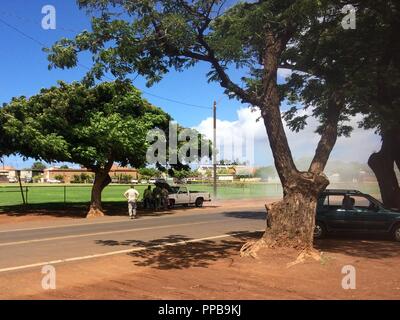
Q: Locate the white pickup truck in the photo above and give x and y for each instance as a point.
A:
(182, 196)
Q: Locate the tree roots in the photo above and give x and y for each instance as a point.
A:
(251, 248)
(95, 213)
(304, 255)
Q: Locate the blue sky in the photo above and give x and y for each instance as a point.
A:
(24, 69)
(25, 65)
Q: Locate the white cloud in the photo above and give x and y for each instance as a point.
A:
(303, 144)
(234, 136)
(284, 73)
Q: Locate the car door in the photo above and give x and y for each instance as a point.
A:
(183, 196)
(336, 217)
(368, 217)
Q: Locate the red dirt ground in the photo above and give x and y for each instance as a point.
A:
(209, 270)
(190, 272)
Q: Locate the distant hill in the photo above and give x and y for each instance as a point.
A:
(336, 169)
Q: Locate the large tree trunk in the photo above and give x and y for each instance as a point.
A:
(102, 180)
(291, 221)
(382, 164)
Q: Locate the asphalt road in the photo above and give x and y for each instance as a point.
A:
(59, 242)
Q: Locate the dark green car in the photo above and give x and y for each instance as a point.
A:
(353, 212)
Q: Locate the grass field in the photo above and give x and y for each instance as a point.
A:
(38, 193)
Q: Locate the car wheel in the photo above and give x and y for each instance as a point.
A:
(396, 233)
(319, 230)
(171, 204)
(199, 202)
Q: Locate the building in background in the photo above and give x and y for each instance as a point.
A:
(117, 174)
(9, 174)
(227, 172)
(123, 174)
(6, 173)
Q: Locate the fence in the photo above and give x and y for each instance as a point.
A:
(36, 194)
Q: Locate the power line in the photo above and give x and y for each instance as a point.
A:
(43, 45)
(24, 19)
(176, 101)
(22, 33)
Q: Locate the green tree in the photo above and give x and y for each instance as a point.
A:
(148, 173)
(125, 178)
(383, 164)
(223, 171)
(59, 177)
(376, 92)
(182, 174)
(76, 179)
(38, 166)
(152, 37)
(359, 70)
(94, 127)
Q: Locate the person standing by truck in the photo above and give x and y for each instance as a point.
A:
(165, 199)
(132, 196)
(157, 197)
(147, 198)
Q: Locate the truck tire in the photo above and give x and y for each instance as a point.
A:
(199, 202)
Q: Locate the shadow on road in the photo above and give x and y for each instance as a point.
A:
(61, 210)
(182, 256)
(246, 215)
(79, 210)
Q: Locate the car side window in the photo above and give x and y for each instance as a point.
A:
(363, 204)
(335, 202)
(183, 190)
(346, 203)
(331, 202)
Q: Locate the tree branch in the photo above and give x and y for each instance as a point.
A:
(328, 136)
(226, 82)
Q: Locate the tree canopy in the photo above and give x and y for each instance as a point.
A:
(147, 173)
(88, 126)
(361, 68)
(95, 127)
(37, 165)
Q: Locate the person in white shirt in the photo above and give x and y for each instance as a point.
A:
(132, 195)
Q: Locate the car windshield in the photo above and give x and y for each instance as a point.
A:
(377, 202)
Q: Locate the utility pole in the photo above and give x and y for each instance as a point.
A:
(215, 149)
